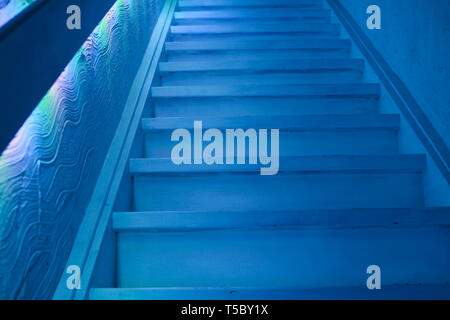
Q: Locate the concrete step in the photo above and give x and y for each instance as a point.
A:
(251, 37)
(352, 90)
(284, 257)
(188, 221)
(253, 14)
(304, 65)
(302, 183)
(253, 50)
(396, 292)
(329, 44)
(267, 100)
(257, 28)
(215, 4)
(299, 135)
(261, 72)
(313, 253)
(262, 106)
(225, 56)
(260, 77)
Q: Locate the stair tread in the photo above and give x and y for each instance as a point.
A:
(339, 89)
(247, 3)
(287, 123)
(414, 163)
(243, 65)
(404, 291)
(253, 13)
(225, 56)
(183, 221)
(256, 27)
(214, 45)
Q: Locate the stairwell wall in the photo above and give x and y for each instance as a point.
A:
(415, 41)
(49, 170)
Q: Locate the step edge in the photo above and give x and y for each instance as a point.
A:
(191, 221)
(391, 291)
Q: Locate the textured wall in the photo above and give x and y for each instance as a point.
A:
(10, 8)
(48, 172)
(415, 40)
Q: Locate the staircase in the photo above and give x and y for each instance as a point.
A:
(344, 197)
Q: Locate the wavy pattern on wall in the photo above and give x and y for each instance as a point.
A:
(11, 8)
(49, 170)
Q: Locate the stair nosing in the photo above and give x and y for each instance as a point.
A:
(186, 221)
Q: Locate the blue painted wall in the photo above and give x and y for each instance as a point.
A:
(48, 172)
(12, 8)
(415, 40)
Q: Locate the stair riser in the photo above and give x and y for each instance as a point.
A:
(258, 28)
(236, 77)
(250, 5)
(159, 145)
(300, 44)
(249, 13)
(264, 258)
(209, 21)
(256, 55)
(252, 37)
(264, 66)
(247, 8)
(318, 91)
(279, 192)
(248, 106)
